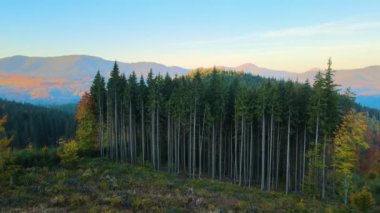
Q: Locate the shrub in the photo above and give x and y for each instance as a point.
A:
(238, 206)
(211, 207)
(138, 203)
(36, 157)
(363, 200)
(77, 199)
(58, 200)
(69, 154)
(372, 175)
(374, 187)
(301, 205)
(116, 200)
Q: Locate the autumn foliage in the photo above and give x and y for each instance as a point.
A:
(86, 133)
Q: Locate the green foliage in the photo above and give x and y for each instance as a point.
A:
(36, 157)
(58, 200)
(98, 93)
(36, 125)
(7, 166)
(78, 200)
(311, 179)
(5, 151)
(116, 201)
(86, 133)
(301, 206)
(138, 189)
(349, 140)
(363, 200)
(69, 153)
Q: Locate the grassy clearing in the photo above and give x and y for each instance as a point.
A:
(97, 185)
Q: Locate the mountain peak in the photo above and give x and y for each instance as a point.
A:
(314, 69)
(247, 66)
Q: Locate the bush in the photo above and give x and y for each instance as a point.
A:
(372, 175)
(58, 200)
(69, 154)
(301, 206)
(145, 204)
(363, 200)
(36, 157)
(374, 187)
(77, 199)
(116, 200)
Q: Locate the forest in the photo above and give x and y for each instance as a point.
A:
(300, 138)
(232, 126)
(36, 126)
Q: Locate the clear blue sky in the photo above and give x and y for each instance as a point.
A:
(287, 35)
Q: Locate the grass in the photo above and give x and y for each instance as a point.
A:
(97, 185)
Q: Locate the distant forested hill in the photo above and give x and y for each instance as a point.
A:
(69, 108)
(63, 79)
(39, 126)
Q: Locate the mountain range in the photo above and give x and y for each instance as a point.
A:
(62, 79)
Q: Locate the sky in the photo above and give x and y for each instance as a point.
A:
(284, 35)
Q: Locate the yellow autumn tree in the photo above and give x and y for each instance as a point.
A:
(86, 133)
(4, 144)
(69, 153)
(349, 139)
(5, 152)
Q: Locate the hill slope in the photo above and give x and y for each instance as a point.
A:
(35, 125)
(363, 81)
(102, 186)
(77, 67)
(60, 80)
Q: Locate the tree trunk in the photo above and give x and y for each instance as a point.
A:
(296, 164)
(116, 127)
(263, 153)
(270, 152)
(346, 186)
(200, 145)
(324, 169)
(250, 156)
(158, 140)
(236, 139)
(213, 152)
(143, 132)
(303, 158)
(220, 149)
(317, 132)
(287, 157)
(178, 144)
(194, 136)
(130, 133)
(124, 137)
(153, 152)
(168, 145)
(189, 146)
(278, 154)
(241, 149)
(100, 130)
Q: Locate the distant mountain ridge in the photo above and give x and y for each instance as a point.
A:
(354, 78)
(365, 82)
(62, 79)
(77, 66)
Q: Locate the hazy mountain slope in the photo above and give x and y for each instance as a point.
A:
(59, 80)
(76, 67)
(365, 82)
